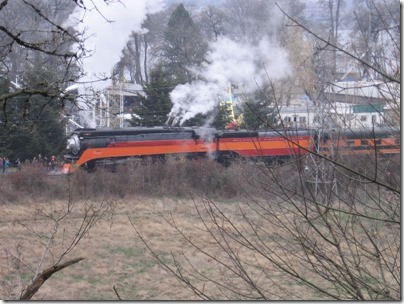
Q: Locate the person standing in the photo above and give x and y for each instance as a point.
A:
(4, 165)
(18, 164)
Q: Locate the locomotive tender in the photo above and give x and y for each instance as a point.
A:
(88, 147)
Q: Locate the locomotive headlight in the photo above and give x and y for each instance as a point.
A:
(73, 144)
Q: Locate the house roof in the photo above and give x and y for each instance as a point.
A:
(125, 89)
(371, 89)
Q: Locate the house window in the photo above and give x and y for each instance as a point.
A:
(363, 118)
(374, 119)
(302, 119)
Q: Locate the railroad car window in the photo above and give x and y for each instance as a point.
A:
(350, 143)
(373, 142)
(209, 139)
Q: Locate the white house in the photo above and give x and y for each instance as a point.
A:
(299, 115)
(370, 102)
(357, 116)
(304, 114)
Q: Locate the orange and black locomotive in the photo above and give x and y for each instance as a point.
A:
(88, 147)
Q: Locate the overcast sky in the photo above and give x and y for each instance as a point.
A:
(107, 39)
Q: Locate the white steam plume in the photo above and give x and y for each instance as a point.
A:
(246, 66)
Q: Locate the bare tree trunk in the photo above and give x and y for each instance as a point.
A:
(138, 72)
(334, 26)
(146, 45)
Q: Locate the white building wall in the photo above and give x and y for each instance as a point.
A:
(299, 117)
(341, 115)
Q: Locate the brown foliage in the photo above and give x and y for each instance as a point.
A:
(171, 178)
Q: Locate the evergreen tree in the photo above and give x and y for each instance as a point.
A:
(184, 45)
(257, 111)
(222, 117)
(155, 107)
(27, 138)
(31, 123)
(197, 121)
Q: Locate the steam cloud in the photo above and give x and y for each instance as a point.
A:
(246, 66)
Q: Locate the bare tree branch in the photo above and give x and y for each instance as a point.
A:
(41, 278)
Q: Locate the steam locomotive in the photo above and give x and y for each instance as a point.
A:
(89, 147)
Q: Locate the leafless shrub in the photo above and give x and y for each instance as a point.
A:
(169, 178)
(294, 235)
(66, 225)
(32, 183)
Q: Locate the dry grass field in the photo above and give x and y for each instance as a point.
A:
(113, 253)
(140, 200)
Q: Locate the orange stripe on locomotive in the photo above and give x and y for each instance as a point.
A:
(145, 148)
(268, 144)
